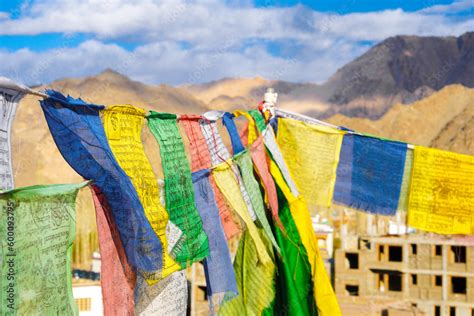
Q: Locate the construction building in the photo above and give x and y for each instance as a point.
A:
(407, 274)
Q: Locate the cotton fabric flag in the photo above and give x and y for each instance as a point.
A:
(322, 290)
(179, 192)
(243, 160)
(201, 159)
(441, 198)
(255, 279)
(170, 295)
(312, 155)
(117, 278)
(37, 229)
(274, 151)
(259, 158)
(370, 174)
(79, 135)
(294, 279)
(10, 96)
(219, 152)
(220, 277)
(123, 128)
(227, 183)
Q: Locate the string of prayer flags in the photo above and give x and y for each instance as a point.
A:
(123, 128)
(117, 278)
(80, 137)
(36, 236)
(179, 192)
(201, 159)
(441, 197)
(10, 95)
(370, 174)
(220, 276)
(312, 155)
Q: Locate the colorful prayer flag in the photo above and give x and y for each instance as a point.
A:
(201, 159)
(79, 135)
(123, 128)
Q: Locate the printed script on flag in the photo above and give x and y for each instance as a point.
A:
(442, 192)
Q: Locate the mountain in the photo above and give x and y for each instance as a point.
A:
(401, 69)
(444, 120)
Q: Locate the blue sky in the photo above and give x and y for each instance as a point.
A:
(177, 42)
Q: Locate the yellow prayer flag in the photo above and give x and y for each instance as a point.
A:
(123, 127)
(312, 154)
(441, 198)
(227, 184)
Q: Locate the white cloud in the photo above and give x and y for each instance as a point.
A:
(221, 40)
(455, 7)
(168, 62)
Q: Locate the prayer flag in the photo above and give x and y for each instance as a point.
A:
(37, 229)
(201, 159)
(312, 155)
(78, 132)
(441, 198)
(10, 96)
(123, 128)
(220, 277)
(117, 278)
(370, 174)
(179, 192)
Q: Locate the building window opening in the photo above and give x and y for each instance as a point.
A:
(395, 254)
(381, 282)
(458, 285)
(437, 310)
(459, 254)
(452, 311)
(438, 280)
(353, 260)
(202, 292)
(413, 249)
(395, 282)
(414, 279)
(352, 290)
(381, 252)
(438, 250)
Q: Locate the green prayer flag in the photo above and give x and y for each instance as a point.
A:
(37, 229)
(179, 191)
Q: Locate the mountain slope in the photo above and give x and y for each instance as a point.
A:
(401, 69)
(444, 120)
